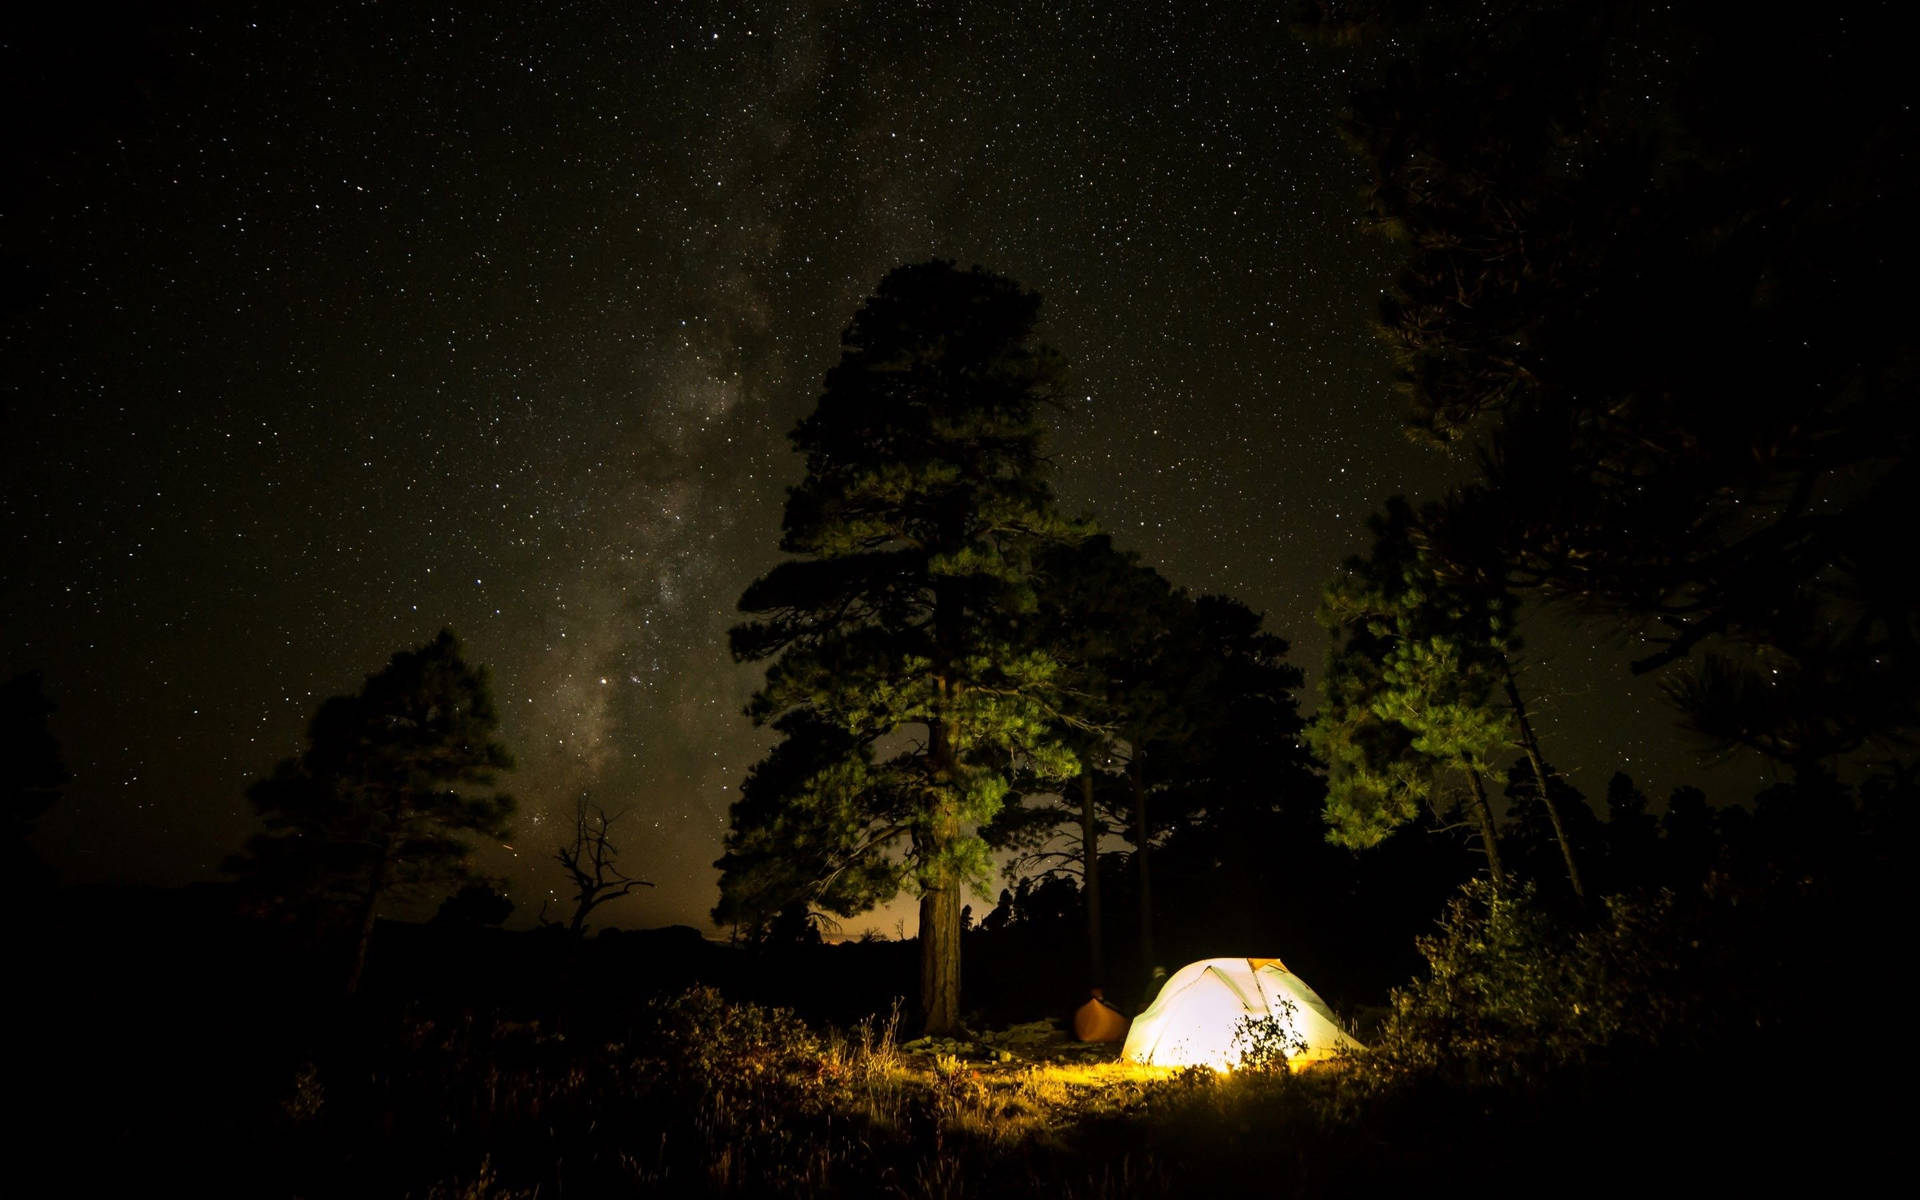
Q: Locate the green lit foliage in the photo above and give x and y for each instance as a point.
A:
(904, 680)
(392, 781)
(813, 822)
(1376, 780)
(1411, 689)
(1447, 640)
(1421, 681)
(1104, 619)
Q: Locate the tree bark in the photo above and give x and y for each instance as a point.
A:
(1489, 840)
(1090, 885)
(1140, 834)
(375, 885)
(1532, 746)
(940, 958)
(940, 899)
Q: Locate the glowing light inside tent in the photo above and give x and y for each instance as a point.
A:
(1200, 1015)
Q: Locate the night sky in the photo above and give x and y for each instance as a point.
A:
(330, 325)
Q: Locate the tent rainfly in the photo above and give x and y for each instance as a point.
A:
(1196, 1017)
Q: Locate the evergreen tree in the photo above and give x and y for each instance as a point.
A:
(1376, 779)
(392, 779)
(813, 824)
(1243, 853)
(1178, 709)
(1106, 620)
(1214, 715)
(1644, 272)
(1153, 714)
(1400, 707)
(1083, 620)
(1440, 630)
(795, 925)
(903, 678)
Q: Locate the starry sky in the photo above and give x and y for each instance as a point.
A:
(328, 325)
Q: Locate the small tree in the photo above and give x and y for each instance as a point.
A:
(391, 780)
(591, 863)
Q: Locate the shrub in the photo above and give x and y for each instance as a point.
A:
(1511, 993)
(700, 1035)
(1268, 1043)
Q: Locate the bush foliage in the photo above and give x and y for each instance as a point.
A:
(1511, 992)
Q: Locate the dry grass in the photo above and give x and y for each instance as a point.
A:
(721, 1099)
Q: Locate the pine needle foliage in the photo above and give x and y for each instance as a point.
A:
(904, 676)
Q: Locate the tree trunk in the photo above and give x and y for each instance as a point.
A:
(1489, 840)
(1532, 746)
(375, 885)
(1090, 889)
(1140, 834)
(940, 958)
(940, 899)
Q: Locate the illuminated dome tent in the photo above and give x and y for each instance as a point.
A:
(1194, 1019)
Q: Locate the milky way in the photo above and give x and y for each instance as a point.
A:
(334, 326)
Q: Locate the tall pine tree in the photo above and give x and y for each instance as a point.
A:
(903, 676)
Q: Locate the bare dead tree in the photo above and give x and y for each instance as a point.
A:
(591, 862)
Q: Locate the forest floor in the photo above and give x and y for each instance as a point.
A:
(697, 1095)
(726, 1099)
